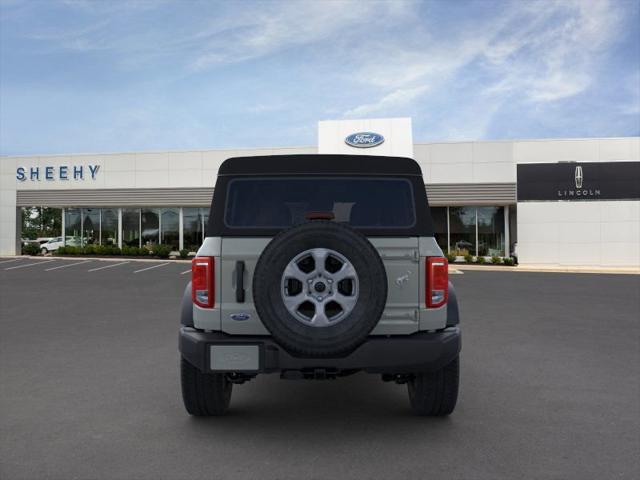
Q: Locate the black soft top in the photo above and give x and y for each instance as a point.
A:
(314, 164)
(325, 165)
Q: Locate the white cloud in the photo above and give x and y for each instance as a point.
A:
(536, 51)
(398, 98)
(288, 25)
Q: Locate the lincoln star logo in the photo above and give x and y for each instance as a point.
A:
(579, 177)
(364, 140)
(580, 191)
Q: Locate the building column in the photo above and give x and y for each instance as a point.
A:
(119, 227)
(181, 229)
(64, 227)
(448, 232)
(140, 227)
(476, 211)
(18, 236)
(507, 241)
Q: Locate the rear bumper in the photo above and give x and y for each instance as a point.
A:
(420, 352)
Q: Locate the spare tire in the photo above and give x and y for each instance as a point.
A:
(320, 288)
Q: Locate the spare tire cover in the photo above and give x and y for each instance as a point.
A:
(320, 288)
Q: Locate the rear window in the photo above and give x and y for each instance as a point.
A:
(282, 202)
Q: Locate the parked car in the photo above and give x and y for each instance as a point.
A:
(316, 267)
(57, 242)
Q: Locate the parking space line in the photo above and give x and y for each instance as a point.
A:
(9, 261)
(108, 266)
(65, 266)
(149, 268)
(30, 264)
(185, 272)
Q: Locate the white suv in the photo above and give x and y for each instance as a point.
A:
(57, 242)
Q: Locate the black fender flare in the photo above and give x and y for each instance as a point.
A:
(186, 309)
(453, 312)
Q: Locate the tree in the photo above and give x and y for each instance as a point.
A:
(41, 222)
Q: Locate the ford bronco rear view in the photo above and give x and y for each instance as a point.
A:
(317, 267)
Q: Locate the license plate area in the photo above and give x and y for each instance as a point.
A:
(234, 358)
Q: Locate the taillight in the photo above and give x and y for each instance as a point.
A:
(437, 281)
(202, 283)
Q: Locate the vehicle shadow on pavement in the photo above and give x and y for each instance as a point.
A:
(274, 404)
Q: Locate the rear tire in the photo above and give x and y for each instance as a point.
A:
(204, 394)
(435, 394)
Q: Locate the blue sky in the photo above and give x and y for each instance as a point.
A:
(104, 76)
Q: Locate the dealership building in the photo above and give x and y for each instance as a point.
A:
(566, 202)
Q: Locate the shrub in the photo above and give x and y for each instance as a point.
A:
(60, 251)
(495, 259)
(68, 250)
(184, 253)
(509, 261)
(31, 249)
(468, 258)
(144, 252)
(451, 257)
(89, 250)
(162, 251)
(481, 260)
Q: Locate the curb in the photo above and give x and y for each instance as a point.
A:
(550, 269)
(99, 259)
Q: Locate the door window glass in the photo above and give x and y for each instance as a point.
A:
(170, 227)
(462, 222)
(490, 231)
(131, 227)
(109, 226)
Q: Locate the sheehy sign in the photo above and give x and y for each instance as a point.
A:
(576, 181)
(60, 172)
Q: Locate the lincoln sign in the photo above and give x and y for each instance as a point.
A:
(575, 181)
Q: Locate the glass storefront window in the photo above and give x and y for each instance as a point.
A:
(150, 226)
(90, 226)
(490, 231)
(439, 216)
(205, 221)
(170, 231)
(109, 226)
(73, 227)
(192, 228)
(462, 223)
(131, 227)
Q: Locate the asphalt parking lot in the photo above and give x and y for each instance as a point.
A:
(89, 387)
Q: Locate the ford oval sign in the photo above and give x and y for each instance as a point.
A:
(364, 139)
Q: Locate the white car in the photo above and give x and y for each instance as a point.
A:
(57, 242)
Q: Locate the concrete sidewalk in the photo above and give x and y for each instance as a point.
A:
(547, 268)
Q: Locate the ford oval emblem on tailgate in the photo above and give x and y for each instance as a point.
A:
(364, 139)
(240, 317)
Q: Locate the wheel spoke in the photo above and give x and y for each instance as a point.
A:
(293, 271)
(347, 271)
(347, 302)
(293, 302)
(320, 319)
(319, 257)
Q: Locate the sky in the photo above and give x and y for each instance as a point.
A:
(89, 76)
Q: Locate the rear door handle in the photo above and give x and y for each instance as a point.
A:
(240, 281)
